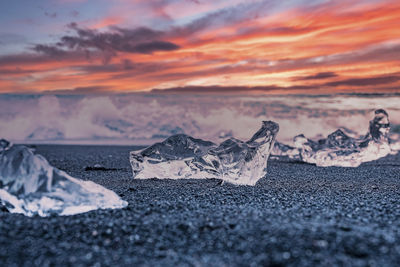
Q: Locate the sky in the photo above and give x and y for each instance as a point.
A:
(199, 46)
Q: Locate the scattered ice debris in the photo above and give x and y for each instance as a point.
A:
(31, 186)
(182, 156)
(339, 149)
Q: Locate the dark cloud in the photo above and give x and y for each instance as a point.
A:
(140, 40)
(49, 50)
(318, 76)
(87, 42)
(149, 47)
(365, 81)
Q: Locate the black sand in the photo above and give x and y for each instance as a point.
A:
(299, 215)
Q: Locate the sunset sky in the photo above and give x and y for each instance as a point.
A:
(236, 46)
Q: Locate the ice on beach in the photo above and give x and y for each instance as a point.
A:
(283, 150)
(181, 156)
(339, 149)
(31, 186)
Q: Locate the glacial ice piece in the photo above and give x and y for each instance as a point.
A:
(181, 156)
(283, 150)
(342, 150)
(30, 185)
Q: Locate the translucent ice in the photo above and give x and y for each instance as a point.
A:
(30, 185)
(283, 150)
(339, 149)
(181, 156)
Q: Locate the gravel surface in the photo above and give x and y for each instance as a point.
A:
(299, 215)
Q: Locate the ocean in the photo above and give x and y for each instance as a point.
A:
(145, 118)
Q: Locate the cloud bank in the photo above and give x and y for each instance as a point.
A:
(145, 118)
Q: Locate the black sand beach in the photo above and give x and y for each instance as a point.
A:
(298, 215)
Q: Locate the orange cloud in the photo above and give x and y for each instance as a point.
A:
(106, 22)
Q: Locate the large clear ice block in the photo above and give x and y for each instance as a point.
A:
(181, 156)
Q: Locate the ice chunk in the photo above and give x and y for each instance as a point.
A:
(30, 185)
(181, 156)
(283, 150)
(342, 150)
(152, 161)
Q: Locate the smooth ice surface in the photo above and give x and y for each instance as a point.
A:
(339, 149)
(30, 185)
(181, 156)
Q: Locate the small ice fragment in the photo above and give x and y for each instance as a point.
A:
(182, 156)
(30, 185)
(342, 150)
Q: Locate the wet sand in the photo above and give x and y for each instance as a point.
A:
(298, 215)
